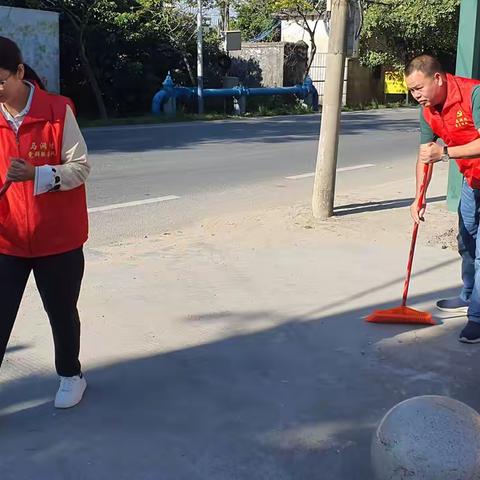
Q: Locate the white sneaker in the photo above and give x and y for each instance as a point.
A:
(70, 392)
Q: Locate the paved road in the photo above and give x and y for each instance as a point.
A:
(188, 170)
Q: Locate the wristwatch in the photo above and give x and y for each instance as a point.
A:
(445, 157)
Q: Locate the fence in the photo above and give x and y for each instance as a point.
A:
(317, 74)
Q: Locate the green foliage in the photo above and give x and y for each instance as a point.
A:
(396, 30)
(258, 16)
(130, 45)
(255, 17)
(299, 7)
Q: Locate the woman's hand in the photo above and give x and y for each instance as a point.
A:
(20, 171)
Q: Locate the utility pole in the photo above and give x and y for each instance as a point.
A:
(200, 56)
(324, 187)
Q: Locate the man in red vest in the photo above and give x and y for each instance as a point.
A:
(450, 111)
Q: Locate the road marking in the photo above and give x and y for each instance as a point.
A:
(148, 201)
(343, 169)
(355, 167)
(303, 175)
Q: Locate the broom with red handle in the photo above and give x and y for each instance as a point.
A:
(404, 314)
(4, 188)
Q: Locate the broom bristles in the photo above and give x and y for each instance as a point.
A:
(401, 315)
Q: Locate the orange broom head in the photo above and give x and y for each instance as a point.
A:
(401, 315)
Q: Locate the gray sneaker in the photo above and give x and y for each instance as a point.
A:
(453, 305)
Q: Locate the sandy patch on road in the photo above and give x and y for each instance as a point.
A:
(378, 216)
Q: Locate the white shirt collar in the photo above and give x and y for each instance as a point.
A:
(24, 112)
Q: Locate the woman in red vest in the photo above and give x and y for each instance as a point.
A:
(451, 111)
(43, 212)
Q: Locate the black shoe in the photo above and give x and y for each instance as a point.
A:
(470, 333)
(453, 305)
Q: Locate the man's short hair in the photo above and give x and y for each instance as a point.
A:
(426, 64)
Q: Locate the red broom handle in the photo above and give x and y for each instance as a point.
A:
(5, 187)
(423, 189)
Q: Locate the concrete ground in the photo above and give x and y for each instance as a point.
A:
(236, 348)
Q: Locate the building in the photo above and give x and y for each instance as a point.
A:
(362, 85)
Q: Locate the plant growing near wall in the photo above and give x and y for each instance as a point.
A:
(256, 19)
(396, 30)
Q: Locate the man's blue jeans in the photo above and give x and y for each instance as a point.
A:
(469, 248)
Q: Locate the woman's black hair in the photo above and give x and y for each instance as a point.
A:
(11, 58)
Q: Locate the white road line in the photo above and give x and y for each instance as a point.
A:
(115, 206)
(303, 175)
(343, 169)
(355, 167)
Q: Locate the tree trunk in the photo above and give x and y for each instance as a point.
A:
(313, 49)
(189, 68)
(224, 15)
(92, 79)
(312, 57)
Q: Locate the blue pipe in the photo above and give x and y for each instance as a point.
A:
(256, 92)
(170, 91)
(185, 92)
(158, 100)
(298, 90)
(224, 92)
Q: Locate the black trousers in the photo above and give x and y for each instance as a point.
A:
(58, 279)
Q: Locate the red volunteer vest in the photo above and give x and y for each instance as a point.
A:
(50, 223)
(454, 124)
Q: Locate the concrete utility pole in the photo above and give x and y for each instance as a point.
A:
(468, 65)
(324, 187)
(200, 56)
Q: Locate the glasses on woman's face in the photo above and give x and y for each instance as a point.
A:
(3, 81)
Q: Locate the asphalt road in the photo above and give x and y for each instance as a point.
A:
(147, 179)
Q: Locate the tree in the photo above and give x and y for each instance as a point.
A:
(307, 14)
(141, 40)
(396, 30)
(173, 20)
(82, 15)
(256, 18)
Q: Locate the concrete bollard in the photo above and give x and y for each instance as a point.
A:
(428, 438)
